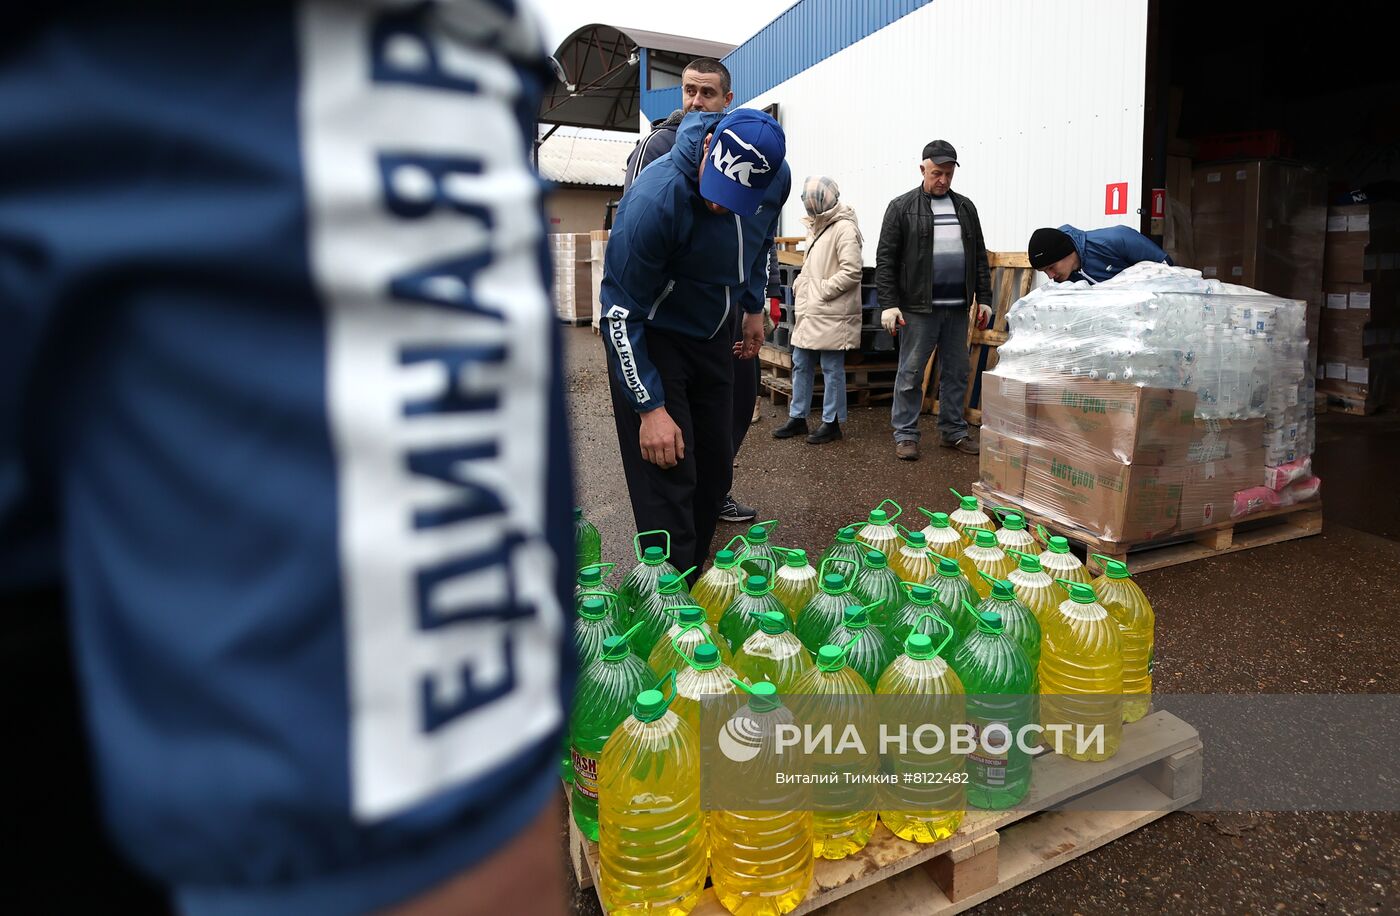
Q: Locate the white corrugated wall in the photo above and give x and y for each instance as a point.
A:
(1043, 101)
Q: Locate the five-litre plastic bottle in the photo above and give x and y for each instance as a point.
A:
(912, 562)
(704, 675)
(868, 650)
(1081, 677)
(845, 546)
(953, 591)
(1013, 533)
(1017, 620)
(1058, 561)
(773, 654)
(680, 641)
(761, 861)
(1130, 609)
(941, 536)
(594, 622)
(602, 699)
(827, 609)
(988, 558)
(834, 693)
(969, 514)
(998, 678)
(740, 619)
(653, 850)
(1036, 588)
(794, 582)
(878, 585)
(877, 532)
(644, 578)
(719, 586)
(591, 579)
(656, 612)
(758, 556)
(588, 544)
(931, 806)
(919, 604)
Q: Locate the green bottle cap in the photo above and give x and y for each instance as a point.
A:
(1013, 521)
(796, 559)
(670, 584)
(706, 656)
(968, 504)
(918, 645)
(593, 609)
(948, 568)
(1030, 563)
(590, 576)
(726, 559)
(989, 622)
(1058, 544)
(855, 618)
(650, 706)
(1079, 592)
(757, 535)
(916, 540)
(763, 696)
(879, 517)
(615, 648)
(833, 584)
(578, 512)
(690, 615)
(874, 559)
(1114, 569)
(921, 595)
(1001, 589)
(756, 585)
(939, 520)
(984, 538)
(773, 622)
(846, 535)
(831, 658)
(653, 556)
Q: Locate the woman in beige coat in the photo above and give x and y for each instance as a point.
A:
(826, 310)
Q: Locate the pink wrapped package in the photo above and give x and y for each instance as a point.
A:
(1285, 474)
(1257, 499)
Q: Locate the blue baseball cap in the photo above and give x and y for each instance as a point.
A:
(747, 149)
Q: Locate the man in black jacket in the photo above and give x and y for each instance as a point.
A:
(930, 267)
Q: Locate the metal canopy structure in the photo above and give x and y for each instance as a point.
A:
(603, 70)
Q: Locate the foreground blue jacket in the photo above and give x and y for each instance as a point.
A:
(673, 265)
(1103, 253)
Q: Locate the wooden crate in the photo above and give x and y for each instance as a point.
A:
(1156, 770)
(1273, 526)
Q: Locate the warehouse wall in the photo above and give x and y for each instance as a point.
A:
(577, 209)
(1044, 102)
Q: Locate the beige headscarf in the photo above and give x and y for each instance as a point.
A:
(819, 194)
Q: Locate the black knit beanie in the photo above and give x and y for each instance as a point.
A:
(1047, 246)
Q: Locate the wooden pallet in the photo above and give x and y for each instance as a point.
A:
(1156, 770)
(779, 392)
(1273, 526)
(869, 380)
(575, 322)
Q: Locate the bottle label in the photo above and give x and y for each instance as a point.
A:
(992, 768)
(585, 774)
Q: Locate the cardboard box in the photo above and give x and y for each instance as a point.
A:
(1343, 333)
(1214, 440)
(1002, 464)
(1006, 408)
(1208, 489)
(1118, 502)
(1112, 420)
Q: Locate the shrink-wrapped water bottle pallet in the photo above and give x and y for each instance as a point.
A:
(1073, 807)
(1271, 526)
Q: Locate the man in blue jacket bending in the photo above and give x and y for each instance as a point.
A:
(688, 247)
(1067, 254)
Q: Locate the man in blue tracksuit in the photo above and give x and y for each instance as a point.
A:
(688, 248)
(1067, 254)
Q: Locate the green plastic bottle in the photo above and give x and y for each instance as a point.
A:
(758, 549)
(1057, 560)
(845, 546)
(952, 590)
(878, 585)
(969, 514)
(703, 676)
(931, 807)
(921, 603)
(1036, 588)
(773, 654)
(645, 577)
(825, 611)
(1129, 607)
(588, 544)
(602, 699)
(833, 692)
(997, 677)
(656, 612)
(1013, 534)
(795, 582)
(654, 846)
(868, 651)
(719, 585)
(591, 580)
(740, 619)
(877, 532)
(594, 622)
(1081, 677)
(1017, 620)
(689, 630)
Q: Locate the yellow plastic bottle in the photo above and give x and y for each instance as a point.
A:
(877, 531)
(969, 514)
(933, 800)
(832, 692)
(652, 843)
(989, 560)
(719, 586)
(1013, 533)
(1131, 610)
(704, 675)
(912, 562)
(942, 537)
(1036, 588)
(1058, 561)
(1081, 677)
(680, 642)
(795, 582)
(761, 861)
(773, 655)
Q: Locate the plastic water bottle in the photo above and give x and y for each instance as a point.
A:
(878, 532)
(997, 677)
(920, 604)
(933, 807)
(593, 623)
(989, 559)
(655, 612)
(1081, 677)
(590, 580)
(653, 852)
(719, 586)
(680, 641)
(588, 544)
(1058, 561)
(941, 536)
(969, 514)
(773, 654)
(740, 619)
(761, 861)
(912, 562)
(1017, 620)
(602, 699)
(1130, 609)
(824, 613)
(953, 591)
(704, 675)
(1036, 588)
(794, 582)
(758, 549)
(868, 651)
(1013, 534)
(845, 546)
(878, 585)
(645, 577)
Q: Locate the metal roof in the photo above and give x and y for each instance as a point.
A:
(603, 76)
(574, 160)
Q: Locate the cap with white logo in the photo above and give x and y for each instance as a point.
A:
(746, 151)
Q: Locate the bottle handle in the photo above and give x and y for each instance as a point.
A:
(637, 542)
(675, 613)
(927, 512)
(946, 624)
(898, 509)
(604, 569)
(730, 546)
(627, 635)
(609, 600)
(764, 525)
(682, 576)
(903, 532)
(1104, 561)
(959, 495)
(1044, 535)
(1002, 512)
(846, 581)
(670, 678)
(772, 567)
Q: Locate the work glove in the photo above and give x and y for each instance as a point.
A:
(892, 320)
(984, 316)
(774, 312)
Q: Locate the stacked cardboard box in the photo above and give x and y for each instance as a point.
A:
(598, 245)
(571, 253)
(1360, 327)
